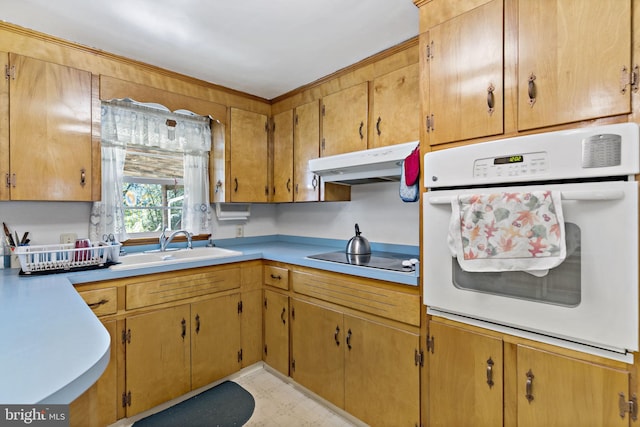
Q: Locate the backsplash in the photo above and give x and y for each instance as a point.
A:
(377, 208)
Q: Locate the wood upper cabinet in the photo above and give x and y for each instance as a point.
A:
(460, 366)
(570, 61)
(213, 322)
(306, 146)
(283, 157)
(344, 120)
(555, 390)
(158, 362)
(396, 107)
(249, 156)
(50, 139)
(276, 331)
(464, 56)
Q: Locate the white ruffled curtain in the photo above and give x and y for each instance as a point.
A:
(127, 123)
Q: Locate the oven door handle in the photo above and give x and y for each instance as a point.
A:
(566, 195)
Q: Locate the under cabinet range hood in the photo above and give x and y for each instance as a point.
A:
(363, 167)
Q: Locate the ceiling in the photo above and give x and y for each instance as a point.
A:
(264, 48)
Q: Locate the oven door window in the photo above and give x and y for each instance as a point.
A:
(561, 286)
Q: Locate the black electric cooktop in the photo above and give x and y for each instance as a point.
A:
(382, 260)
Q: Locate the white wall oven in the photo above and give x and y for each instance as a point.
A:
(537, 236)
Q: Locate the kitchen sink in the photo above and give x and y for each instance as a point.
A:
(157, 258)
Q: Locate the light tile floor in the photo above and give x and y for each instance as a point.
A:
(282, 404)
(279, 403)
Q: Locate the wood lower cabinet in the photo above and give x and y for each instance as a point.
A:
(276, 331)
(317, 355)
(501, 380)
(97, 406)
(211, 361)
(555, 390)
(463, 367)
(158, 362)
(363, 366)
(382, 376)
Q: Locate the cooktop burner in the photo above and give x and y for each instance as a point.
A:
(383, 260)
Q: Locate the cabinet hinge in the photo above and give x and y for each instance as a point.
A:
(240, 307)
(296, 120)
(293, 313)
(322, 145)
(126, 399)
(265, 302)
(429, 51)
(240, 355)
(323, 110)
(630, 406)
(126, 336)
(430, 344)
(629, 79)
(9, 72)
(430, 123)
(265, 350)
(419, 358)
(293, 364)
(266, 126)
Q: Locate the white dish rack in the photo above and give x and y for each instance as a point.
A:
(65, 257)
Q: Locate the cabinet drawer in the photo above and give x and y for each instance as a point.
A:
(276, 276)
(153, 290)
(101, 301)
(361, 295)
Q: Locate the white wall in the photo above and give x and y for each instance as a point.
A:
(377, 208)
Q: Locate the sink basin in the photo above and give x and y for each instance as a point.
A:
(152, 259)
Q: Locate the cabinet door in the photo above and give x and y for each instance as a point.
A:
(251, 327)
(283, 157)
(98, 405)
(276, 331)
(559, 391)
(344, 120)
(573, 53)
(460, 366)
(158, 362)
(215, 339)
(317, 358)
(396, 107)
(465, 76)
(382, 379)
(4, 129)
(249, 156)
(306, 146)
(50, 138)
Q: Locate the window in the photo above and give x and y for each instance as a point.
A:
(152, 190)
(155, 166)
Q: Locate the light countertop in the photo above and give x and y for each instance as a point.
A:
(54, 347)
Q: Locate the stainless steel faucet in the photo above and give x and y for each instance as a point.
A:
(164, 240)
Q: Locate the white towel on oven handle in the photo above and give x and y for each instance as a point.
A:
(507, 212)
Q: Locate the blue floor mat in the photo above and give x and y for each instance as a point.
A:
(225, 405)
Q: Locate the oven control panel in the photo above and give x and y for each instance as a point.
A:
(521, 165)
